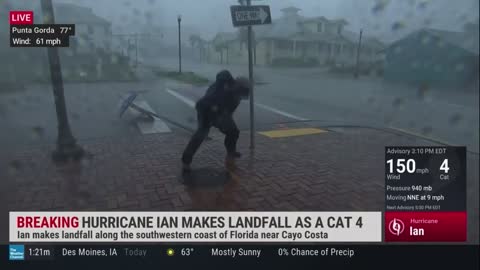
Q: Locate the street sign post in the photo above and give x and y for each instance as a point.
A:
(249, 15)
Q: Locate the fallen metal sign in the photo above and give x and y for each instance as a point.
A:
(149, 121)
(250, 15)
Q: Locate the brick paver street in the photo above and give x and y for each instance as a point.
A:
(340, 170)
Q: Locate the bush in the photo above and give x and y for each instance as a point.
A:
(380, 72)
(186, 77)
(364, 69)
(294, 62)
(330, 62)
(342, 69)
(82, 67)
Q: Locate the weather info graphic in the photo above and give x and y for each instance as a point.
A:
(425, 194)
(24, 33)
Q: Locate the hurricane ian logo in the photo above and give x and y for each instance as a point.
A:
(396, 226)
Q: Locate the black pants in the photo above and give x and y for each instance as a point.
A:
(225, 124)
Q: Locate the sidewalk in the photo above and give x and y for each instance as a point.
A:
(331, 171)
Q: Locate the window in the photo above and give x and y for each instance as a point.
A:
(320, 27)
(284, 45)
(90, 29)
(397, 50)
(74, 44)
(459, 67)
(425, 40)
(437, 68)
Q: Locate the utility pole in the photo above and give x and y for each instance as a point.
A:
(250, 77)
(136, 50)
(358, 54)
(254, 41)
(136, 36)
(67, 147)
(179, 19)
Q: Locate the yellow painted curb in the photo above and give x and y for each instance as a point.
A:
(282, 133)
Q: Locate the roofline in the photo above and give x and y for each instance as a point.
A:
(89, 10)
(323, 19)
(316, 19)
(290, 8)
(95, 23)
(406, 36)
(340, 21)
(429, 30)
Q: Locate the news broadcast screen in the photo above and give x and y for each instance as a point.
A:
(269, 134)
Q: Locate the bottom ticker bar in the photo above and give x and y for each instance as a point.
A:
(408, 256)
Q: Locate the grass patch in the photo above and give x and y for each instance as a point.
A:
(110, 74)
(186, 77)
(76, 68)
(364, 69)
(7, 87)
(294, 62)
(91, 78)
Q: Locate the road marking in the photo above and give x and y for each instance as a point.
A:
(183, 98)
(431, 139)
(420, 136)
(153, 126)
(462, 107)
(148, 126)
(191, 103)
(268, 108)
(292, 132)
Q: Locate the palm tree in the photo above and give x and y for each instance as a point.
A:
(243, 37)
(220, 47)
(197, 42)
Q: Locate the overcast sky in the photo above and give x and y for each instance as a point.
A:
(387, 19)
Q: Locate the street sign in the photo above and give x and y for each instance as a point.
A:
(250, 15)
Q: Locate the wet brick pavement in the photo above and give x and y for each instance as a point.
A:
(334, 171)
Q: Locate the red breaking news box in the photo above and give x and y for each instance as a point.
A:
(21, 17)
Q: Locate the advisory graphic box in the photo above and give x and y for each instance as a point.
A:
(425, 194)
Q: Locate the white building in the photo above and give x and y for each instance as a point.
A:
(91, 31)
(294, 37)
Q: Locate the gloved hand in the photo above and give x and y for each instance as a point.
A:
(221, 119)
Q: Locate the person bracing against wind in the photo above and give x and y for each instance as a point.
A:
(215, 109)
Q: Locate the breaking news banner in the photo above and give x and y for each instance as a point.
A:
(195, 227)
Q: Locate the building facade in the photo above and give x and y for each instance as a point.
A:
(434, 57)
(293, 37)
(91, 31)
